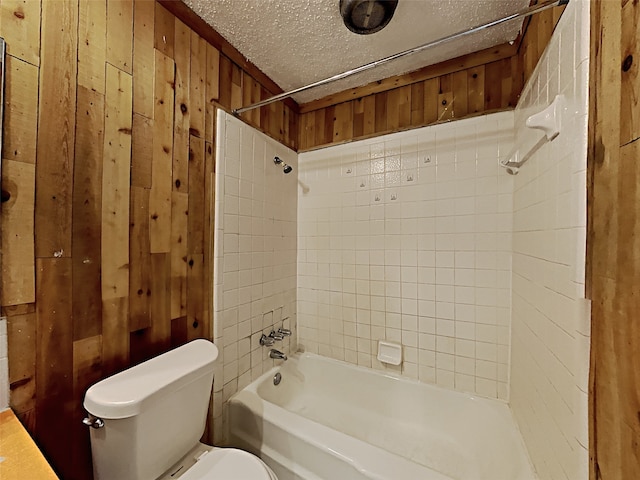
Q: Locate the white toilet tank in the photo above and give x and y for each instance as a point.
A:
(153, 413)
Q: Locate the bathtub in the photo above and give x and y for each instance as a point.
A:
(331, 420)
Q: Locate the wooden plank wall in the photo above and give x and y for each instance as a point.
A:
(443, 95)
(107, 191)
(613, 240)
(537, 33)
(481, 82)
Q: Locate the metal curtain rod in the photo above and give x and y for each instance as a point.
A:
(463, 33)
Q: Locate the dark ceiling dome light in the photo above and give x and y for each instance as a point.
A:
(367, 16)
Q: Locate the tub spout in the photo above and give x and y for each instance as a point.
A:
(277, 354)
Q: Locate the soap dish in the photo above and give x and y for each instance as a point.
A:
(389, 352)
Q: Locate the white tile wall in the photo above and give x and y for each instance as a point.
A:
(4, 366)
(407, 238)
(549, 366)
(255, 256)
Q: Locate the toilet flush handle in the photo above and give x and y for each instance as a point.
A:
(93, 421)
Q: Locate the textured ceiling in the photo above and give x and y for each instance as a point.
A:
(296, 42)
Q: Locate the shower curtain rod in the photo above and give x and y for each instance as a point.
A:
(523, 13)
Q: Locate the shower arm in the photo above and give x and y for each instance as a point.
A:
(463, 33)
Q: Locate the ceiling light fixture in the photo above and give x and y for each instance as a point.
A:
(367, 16)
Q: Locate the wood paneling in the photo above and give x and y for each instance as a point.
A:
(448, 96)
(87, 369)
(120, 34)
(613, 241)
(141, 153)
(225, 83)
(164, 31)
(475, 89)
(56, 126)
(196, 196)
(630, 82)
(22, 358)
(209, 214)
(143, 57)
(140, 260)
(430, 99)
(160, 332)
(108, 181)
(182, 113)
(537, 33)
(197, 85)
(92, 38)
(87, 214)
(161, 165)
(54, 356)
(432, 71)
(179, 225)
(212, 90)
(116, 183)
(18, 280)
(21, 111)
(236, 97)
(20, 22)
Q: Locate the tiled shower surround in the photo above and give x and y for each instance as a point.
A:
(407, 238)
(255, 256)
(550, 351)
(420, 238)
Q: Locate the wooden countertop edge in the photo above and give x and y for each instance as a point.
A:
(20, 457)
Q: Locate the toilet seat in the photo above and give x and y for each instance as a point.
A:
(228, 464)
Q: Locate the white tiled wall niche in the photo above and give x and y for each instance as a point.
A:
(255, 256)
(550, 350)
(407, 238)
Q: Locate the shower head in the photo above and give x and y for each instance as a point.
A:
(285, 168)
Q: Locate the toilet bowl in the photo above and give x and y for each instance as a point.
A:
(146, 422)
(226, 464)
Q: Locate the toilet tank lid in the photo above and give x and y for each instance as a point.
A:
(125, 394)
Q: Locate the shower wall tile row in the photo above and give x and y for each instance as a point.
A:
(255, 257)
(407, 238)
(551, 333)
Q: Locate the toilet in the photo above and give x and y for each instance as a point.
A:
(146, 422)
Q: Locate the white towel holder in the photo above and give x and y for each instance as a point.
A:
(547, 120)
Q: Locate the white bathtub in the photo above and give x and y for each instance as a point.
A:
(329, 420)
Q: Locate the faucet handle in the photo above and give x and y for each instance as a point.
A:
(284, 332)
(267, 341)
(276, 335)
